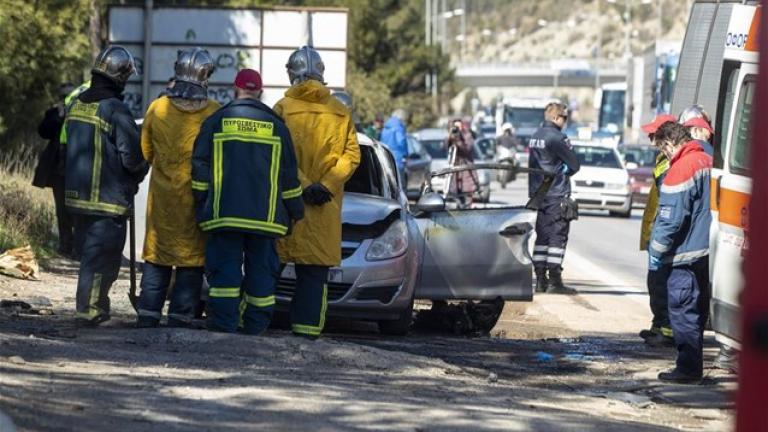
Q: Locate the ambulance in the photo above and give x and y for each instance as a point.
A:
(718, 70)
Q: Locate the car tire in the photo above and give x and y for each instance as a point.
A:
(400, 326)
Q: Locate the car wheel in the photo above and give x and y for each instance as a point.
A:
(399, 326)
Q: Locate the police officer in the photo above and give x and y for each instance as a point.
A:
(328, 154)
(104, 167)
(247, 194)
(680, 239)
(551, 151)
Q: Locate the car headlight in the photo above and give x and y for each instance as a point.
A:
(616, 186)
(391, 244)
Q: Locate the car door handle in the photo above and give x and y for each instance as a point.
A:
(515, 230)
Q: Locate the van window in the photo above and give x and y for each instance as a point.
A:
(727, 92)
(739, 152)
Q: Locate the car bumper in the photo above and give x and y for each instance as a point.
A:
(602, 200)
(369, 290)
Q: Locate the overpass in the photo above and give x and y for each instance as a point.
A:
(554, 73)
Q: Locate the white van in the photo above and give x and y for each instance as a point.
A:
(718, 70)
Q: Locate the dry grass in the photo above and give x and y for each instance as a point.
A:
(27, 215)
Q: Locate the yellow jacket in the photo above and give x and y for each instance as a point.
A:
(327, 152)
(652, 206)
(167, 137)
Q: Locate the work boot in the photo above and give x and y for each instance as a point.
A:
(147, 322)
(556, 283)
(646, 333)
(658, 340)
(679, 377)
(727, 359)
(541, 280)
(93, 322)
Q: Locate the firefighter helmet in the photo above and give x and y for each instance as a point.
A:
(116, 63)
(304, 64)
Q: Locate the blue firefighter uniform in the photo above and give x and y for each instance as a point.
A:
(247, 194)
(551, 151)
(680, 239)
(104, 167)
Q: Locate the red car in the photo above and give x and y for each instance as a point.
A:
(640, 161)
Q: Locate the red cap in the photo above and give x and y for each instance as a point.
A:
(652, 127)
(698, 122)
(248, 79)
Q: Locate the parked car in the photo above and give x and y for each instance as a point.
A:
(602, 183)
(417, 168)
(433, 141)
(640, 161)
(380, 248)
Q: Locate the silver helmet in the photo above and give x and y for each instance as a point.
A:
(194, 65)
(116, 63)
(344, 98)
(693, 111)
(304, 64)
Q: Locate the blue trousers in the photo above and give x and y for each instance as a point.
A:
(185, 295)
(688, 297)
(657, 294)
(310, 301)
(551, 235)
(236, 299)
(101, 240)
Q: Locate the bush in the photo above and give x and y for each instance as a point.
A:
(27, 215)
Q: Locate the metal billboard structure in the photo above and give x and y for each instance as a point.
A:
(257, 38)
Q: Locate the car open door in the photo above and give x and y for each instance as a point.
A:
(477, 253)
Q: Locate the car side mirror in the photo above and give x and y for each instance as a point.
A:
(631, 165)
(431, 202)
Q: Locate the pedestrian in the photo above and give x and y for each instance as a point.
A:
(374, 129)
(660, 332)
(395, 137)
(463, 184)
(550, 150)
(247, 194)
(50, 169)
(104, 167)
(173, 241)
(680, 239)
(699, 125)
(328, 154)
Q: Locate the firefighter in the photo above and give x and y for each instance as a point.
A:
(173, 239)
(328, 154)
(104, 167)
(247, 194)
(680, 239)
(551, 151)
(660, 333)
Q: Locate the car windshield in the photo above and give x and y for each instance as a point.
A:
(602, 157)
(435, 148)
(642, 156)
(525, 117)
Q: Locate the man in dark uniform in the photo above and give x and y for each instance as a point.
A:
(104, 167)
(551, 151)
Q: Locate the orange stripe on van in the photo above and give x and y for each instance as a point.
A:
(713, 198)
(753, 38)
(734, 208)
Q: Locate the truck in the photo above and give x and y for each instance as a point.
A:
(718, 70)
(525, 115)
(255, 38)
(650, 85)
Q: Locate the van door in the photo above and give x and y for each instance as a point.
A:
(732, 196)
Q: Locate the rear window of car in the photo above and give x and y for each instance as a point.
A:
(435, 148)
(602, 157)
(368, 176)
(642, 156)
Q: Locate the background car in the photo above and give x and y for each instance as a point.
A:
(417, 168)
(602, 183)
(380, 249)
(433, 140)
(640, 161)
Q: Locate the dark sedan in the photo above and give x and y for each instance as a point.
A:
(640, 161)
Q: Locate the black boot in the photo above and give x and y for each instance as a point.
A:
(541, 280)
(556, 283)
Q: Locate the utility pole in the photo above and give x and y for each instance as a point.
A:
(463, 51)
(428, 41)
(627, 29)
(598, 51)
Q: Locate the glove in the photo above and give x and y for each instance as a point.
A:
(654, 263)
(316, 194)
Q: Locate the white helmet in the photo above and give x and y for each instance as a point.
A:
(507, 127)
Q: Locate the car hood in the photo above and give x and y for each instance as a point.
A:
(362, 209)
(605, 175)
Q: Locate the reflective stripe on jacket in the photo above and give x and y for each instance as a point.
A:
(244, 174)
(328, 153)
(104, 164)
(681, 231)
(652, 206)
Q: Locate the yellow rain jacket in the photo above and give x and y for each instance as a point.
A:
(327, 152)
(167, 137)
(652, 206)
